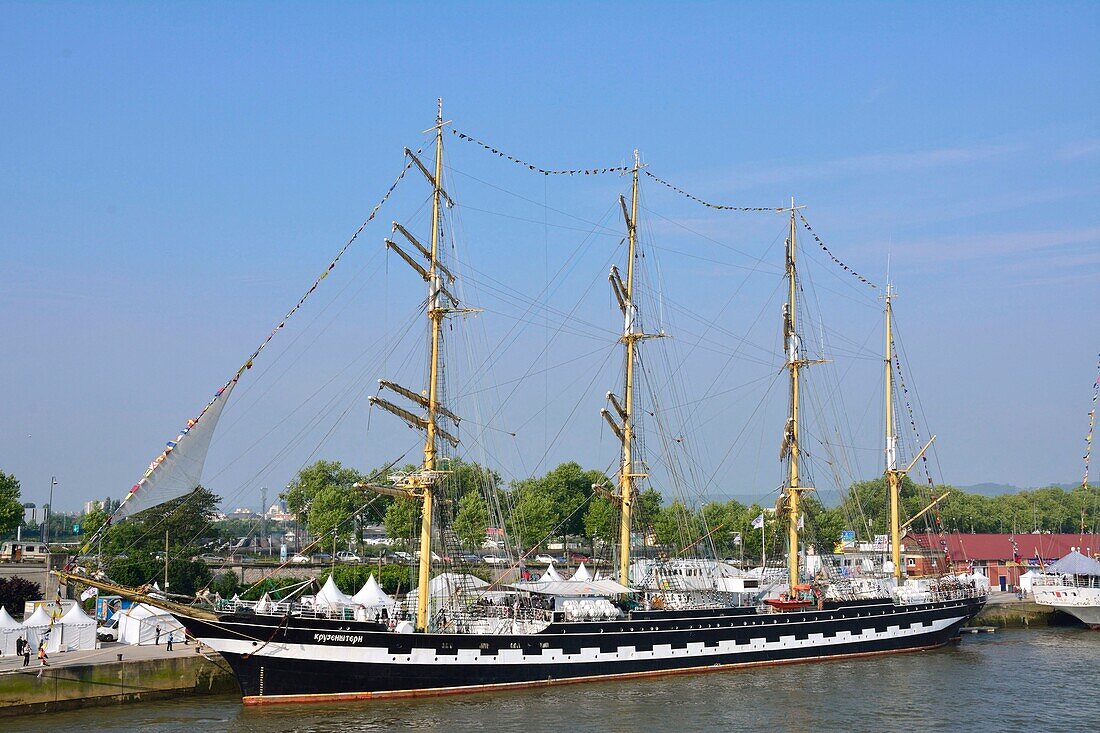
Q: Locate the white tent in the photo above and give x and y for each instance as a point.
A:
(77, 630)
(138, 625)
(372, 595)
(582, 574)
(551, 574)
(10, 630)
(1027, 579)
(264, 604)
(38, 628)
(331, 596)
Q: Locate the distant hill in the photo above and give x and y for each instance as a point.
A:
(989, 489)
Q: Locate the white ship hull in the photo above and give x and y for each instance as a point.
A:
(1081, 602)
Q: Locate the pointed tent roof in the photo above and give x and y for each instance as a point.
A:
(551, 574)
(371, 594)
(445, 585)
(40, 617)
(6, 621)
(330, 595)
(1075, 564)
(582, 574)
(76, 617)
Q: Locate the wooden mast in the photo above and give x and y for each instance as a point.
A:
(441, 302)
(893, 476)
(795, 362)
(630, 338)
(435, 316)
(624, 431)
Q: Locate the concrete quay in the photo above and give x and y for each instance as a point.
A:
(1006, 611)
(99, 677)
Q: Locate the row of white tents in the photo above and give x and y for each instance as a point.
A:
(72, 631)
(75, 630)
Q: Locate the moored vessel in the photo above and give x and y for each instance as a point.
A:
(509, 633)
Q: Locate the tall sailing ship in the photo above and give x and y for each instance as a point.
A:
(552, 630)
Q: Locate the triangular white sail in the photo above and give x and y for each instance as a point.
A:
(177, 471)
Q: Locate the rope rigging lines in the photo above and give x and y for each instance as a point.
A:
(537, 169)
(833, 257)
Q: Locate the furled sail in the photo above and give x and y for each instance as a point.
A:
(177, 471)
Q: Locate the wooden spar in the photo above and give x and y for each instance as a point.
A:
(136, 595)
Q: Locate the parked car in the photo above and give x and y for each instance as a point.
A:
(577, 557)
(546, 559)
(301, 559)
(109, 630)
(497, 560)
(322, 557)
(347, 556)
(403, 556)
(470, 558)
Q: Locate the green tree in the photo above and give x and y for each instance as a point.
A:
(677, 527)
(332, 511)
(402, 519)
(471, 520)
(554, 504)
(11, 508)
(601, 521)
(312, 479)
(533, 518)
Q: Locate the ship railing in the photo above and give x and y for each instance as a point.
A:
(340, 612)
(1072, 581)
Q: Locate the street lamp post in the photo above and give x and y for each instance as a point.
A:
(49, 513)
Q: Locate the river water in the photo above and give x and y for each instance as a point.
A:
(1014, 680)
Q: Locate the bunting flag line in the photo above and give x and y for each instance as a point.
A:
(833, 257)
(171, 445)
(916, 432)
(1092, 424)
(722, 207)
(535, 168)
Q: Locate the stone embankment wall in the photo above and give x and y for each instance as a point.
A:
(58, 688)
(1020, 614)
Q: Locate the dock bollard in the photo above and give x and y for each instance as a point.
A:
(119, 657)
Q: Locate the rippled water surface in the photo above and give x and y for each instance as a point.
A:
(1041, 680)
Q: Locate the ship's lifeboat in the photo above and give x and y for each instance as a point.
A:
(787, 602)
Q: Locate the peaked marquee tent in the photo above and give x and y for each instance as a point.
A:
(37, 628)
(371, 595)
(138, 625)
(330, 595)
(10, 630)
(77, 630)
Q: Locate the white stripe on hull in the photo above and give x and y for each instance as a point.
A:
(626, 652)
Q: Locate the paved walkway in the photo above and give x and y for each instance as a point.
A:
(108, 653)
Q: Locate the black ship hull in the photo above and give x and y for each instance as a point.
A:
(290, 659)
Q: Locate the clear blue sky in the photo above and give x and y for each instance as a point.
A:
(172, 176)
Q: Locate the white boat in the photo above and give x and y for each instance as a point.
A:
(1071, 585)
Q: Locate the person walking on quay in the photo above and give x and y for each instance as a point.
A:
(19, 646)
(26, 653)
(157, 631)
(170, 635)
(42, 657)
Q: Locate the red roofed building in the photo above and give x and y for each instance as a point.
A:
(995, 556)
